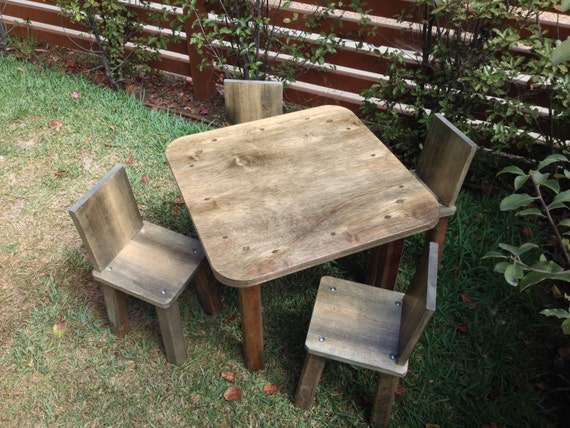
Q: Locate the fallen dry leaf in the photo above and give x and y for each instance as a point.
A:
(400, 389)
(229, 375)
(55, 124)
(466, 299)
(129, 161)
(556, 292)
(462, 328)
(271, 388)
(232, 393)
(144, 178)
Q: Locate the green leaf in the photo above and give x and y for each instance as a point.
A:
(531, 211)
(539, 177)
(517, 251)
(551, 159)
(558, 313)
(561, 53)
(511, 170)
(552, 185)
(565, 5)
(513, 274)
(535, 277)
(520, 180)
(562, 197)
(494, 254)
(566, 326)
(512, 202)
(565, 222)
(501, 267)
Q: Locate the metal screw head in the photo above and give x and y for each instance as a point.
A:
(398, 304)
(393, 357)
(163, 291)
(333, 289)
(109, 268)
(195, 250)
(321, 338)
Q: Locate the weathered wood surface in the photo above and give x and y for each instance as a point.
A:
(282, 194)
(138, 258)
(360, 325)
(248, 100)
(369, 327)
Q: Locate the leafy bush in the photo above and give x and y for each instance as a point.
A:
(463, 70)
(115, 25)
(246, 40)
(547, 198)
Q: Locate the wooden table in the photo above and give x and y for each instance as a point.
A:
(282, 194)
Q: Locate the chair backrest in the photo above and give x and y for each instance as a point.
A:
(419, 303)
(107, 217)
(445, 159)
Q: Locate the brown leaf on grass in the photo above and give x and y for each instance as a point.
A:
(179, 201)
(112, 127)
(144, 178)
(271, 388)
(400, 389)
(462, 328)
(129, 160)
(55, 124)
(456, 270)
(232, 393)
(228, 375)
(556, 292)
(468, 299)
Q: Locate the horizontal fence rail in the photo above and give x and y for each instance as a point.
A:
(357, 63)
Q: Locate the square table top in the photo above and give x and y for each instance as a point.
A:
(278, 195)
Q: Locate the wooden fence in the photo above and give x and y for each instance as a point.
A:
(350, 70)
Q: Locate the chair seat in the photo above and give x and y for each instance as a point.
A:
(155, 266)
(357, 324)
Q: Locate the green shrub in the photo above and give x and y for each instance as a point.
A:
(465, 68)
(115, 25)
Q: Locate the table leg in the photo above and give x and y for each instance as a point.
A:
(251, 326)
(437, 234)
(384, 264)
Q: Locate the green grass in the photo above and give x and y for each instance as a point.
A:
(88, 377)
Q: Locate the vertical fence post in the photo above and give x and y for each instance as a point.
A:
(203, 77)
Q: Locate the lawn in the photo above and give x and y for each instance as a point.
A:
(476, 365)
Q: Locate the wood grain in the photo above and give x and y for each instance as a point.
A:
(282, 194)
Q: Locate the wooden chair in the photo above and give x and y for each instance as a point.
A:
(369, 327)
(132, 256)
(442, 167)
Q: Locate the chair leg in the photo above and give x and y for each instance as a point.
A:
(207, 289)
(172, 333)
(382, 406)
(310, 377)
(384, 264)
(117, 312)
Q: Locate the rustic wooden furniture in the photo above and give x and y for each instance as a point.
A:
(442, 166)
(132, 256)
(368, 327)
(281, 194)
